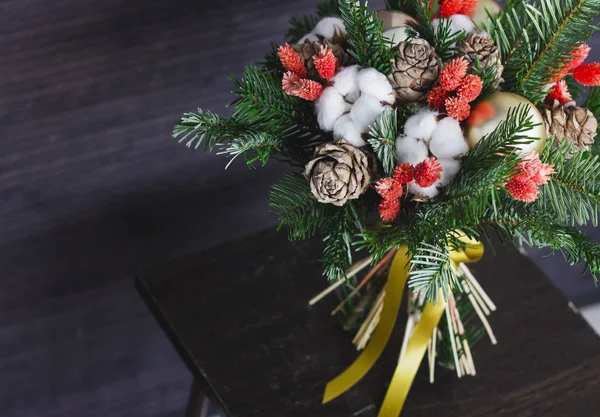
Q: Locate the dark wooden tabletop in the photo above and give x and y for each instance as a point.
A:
(239, 316)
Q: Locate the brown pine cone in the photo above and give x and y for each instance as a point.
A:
(415, 70)
(479, 46)
(570, 123)
(308, 49)
(338, 172)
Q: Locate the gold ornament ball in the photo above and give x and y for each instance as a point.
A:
(480, 16)
(487, 114)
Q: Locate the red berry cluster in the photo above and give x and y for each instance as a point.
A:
(456, 90)
(294, 81)
(425, 174)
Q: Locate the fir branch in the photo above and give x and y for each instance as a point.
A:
(338, 231)
(253, 146)
(381, 239)
(537, 41)
(383, 135)
(432, 272)
(208, 129)
(264, 105)
(366, 43)
(503, 141)
(573, 193)
(445, 39)
(297, 208)
(535, 228)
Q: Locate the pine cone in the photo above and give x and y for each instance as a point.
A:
(308, 49)
(571, 123)
(479, 46)
(416, 69)
(338, 172)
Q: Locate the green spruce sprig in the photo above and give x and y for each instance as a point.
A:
(382, 139)
(366, 43)
(573, 192)
(537, 41)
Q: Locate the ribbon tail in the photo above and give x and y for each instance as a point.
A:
(409, 365)
(394, 289)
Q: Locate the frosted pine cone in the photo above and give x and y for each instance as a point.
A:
(308, 49)
(416, 69)
(478, 46)
(338, 172)
(576, 125)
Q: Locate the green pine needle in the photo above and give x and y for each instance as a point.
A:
(383, 135)
(366, 43)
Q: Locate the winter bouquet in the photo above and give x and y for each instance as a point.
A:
(417, 130)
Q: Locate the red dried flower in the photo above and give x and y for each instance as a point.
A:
(326, 63)
(310, 90)
(470, 88)
(588, 74)
(437, 97)
(428, 172)
(389, 210)
(453, 73)
(522, 188)
(451, 7)
(579, 55)
(291, 61)
(532, 166)
(457, 108)
(404, 173)
(468, 7)
(291, 83)
(389, 188)
(559, 92)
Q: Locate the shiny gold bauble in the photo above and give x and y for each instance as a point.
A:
(487, 114)
(480, 16)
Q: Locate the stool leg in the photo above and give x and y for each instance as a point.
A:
(197, 405)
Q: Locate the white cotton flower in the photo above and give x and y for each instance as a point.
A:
(396, 35)
(374, 83)
(346, 129)
(458, 22)
(365, 110)
(345, 82)
(330, 107)
(411, 150)
(308, 37)
(327, 27)
(423, 192)
(451, 168)
(422, 124)
(447, 140)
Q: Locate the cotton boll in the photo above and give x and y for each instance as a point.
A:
(308, 37)
(372, 82)
(345, 82)
(330, 107)
(327, 27)
(423, 193)
(411, 150)
(451, 168)
(447, 141)
(346, 129)
(422, 124)
(365, 110)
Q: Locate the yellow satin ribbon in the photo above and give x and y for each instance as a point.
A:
(417, 345)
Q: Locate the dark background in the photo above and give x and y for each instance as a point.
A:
(93, 189)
